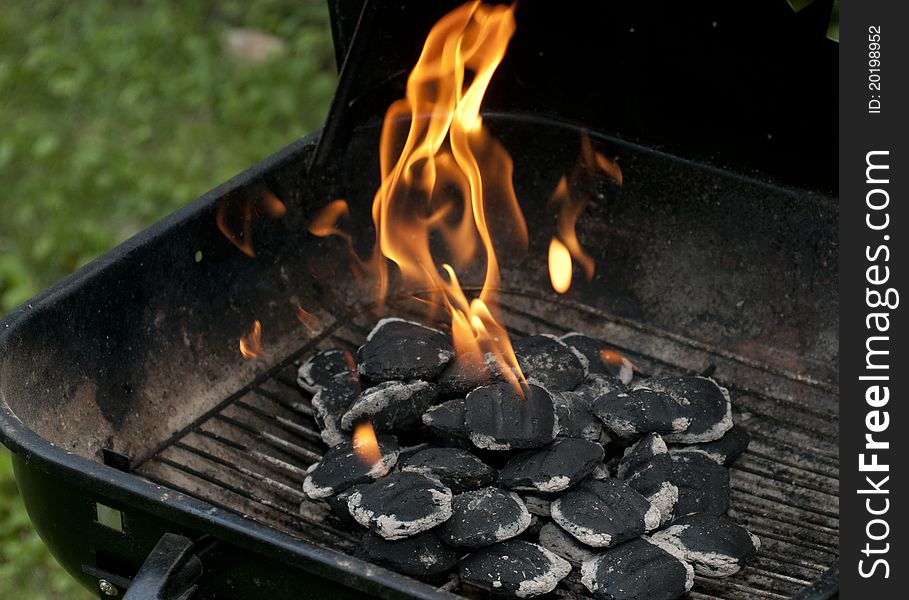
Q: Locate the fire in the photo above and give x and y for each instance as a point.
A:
(232, 212)
(306, 318)
(571, 204)
(365, 444)
(251, 343)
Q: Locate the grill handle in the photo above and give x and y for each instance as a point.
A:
(169, 572)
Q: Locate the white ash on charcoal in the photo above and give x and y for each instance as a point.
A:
(724, 451)
(484, 517)
(457, 469)
(715, 545)
(600, 357)
(576, 420)
(637, 570)
(333, 378)
(559, 542)
(639, 411)
(341, 468)
(537, 505)
(446, 421)
(647, 467)
(603, 513)
(703, 484)
(338, 505)
(392, 406)
(548, 362)
(497, 417)
(422, 555)
(554, 468)
(705, 404)
(514, 568)
(401, 505)
(599, 384)
(399, 350)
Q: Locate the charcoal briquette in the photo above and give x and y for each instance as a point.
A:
(514, 568)
(484, 517)
(647, 467)
(333, 379)
(600, 357)
(703, 484)
(537, 505)
(554, 468)
(603, 513)
(576, 420)
(459, 470)
(556, 540)
(704, 403)
(548, 362)
(446, 421)
(392, 406)
(724, 451)
(714, 544)
(341, 468)
(638, 411)
(469, 371)
(400, 350)
(498, 417)
(401, 505)
(637, 570)
(327, 368)
(421, 555)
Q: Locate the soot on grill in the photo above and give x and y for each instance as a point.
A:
(511, 486)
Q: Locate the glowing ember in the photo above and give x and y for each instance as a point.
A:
(235, 217)
(365, 444)
(251, 343)
(615, 359)
(559, 266)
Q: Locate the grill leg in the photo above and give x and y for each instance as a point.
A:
(169, 572)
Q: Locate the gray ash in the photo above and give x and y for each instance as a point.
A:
(548, 362)
(555, 468)
(457, 469)
(514, 568)
(399, 349)
(485, 517)
(703, 484)
(637, 570)
(401, 505)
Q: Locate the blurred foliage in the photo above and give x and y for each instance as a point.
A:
(113, 114)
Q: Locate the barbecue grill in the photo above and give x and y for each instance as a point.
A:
(155, 462)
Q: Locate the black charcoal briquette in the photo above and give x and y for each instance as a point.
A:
(537, 505)
(401, 505)
(704, 403)
(576, 420)
(497, 417)
(399, 349)
(469, 371)
(557, 541)
(333, 378)
(484, 517)
(724, 451)
(639, 411)
(715, 545)
(600, 357)
(647, 467)
(323, 369)
(603, 513)
(457, 469)
(421, 555)
(554, 468)
(514, 568)
(340, 468)
(703, 484)
(446, 420)
(548, 362)
(392, 406)
(637, 570)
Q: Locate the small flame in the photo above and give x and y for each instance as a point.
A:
(327, 221)
(251, 343)
(615, 359)
(365, 444)
(306, 318)
(571, 202)
(235, 217)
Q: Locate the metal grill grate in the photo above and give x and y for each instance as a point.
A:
(250, 454)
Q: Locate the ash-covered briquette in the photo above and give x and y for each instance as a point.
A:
(537, 505)
(401, 505)
(715, 545)
(704, 403)
(514, 568)
(421, 555)
(640, 411)
(600, 384)
(399, 350)
(338, 505)
(457, 469)
(554, 468)
(647, 467)
(446, 421)
(576, 420)
(392, 406)
(556, 540)
(603, 513)
(548, 362)
(497, 417)
(637, 570)
(332, 377)
(341, 468)
(703, 484)
(724, 451)
(469, 371)
(600, 357)
(484, 517)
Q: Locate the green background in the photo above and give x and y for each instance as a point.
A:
(115, 113)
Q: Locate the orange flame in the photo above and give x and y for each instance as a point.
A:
(232, 212)
(251, 343)
(306, 318)
(365, 444)
(571, 204)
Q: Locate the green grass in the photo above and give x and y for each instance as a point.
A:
(113, 114)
